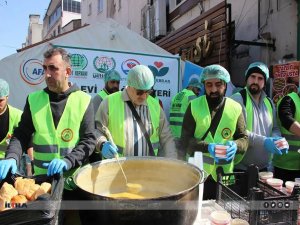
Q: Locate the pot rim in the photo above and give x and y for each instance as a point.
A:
(150, 158)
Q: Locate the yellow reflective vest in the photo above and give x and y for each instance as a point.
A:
(224, 132)
(50, 142)
(14, 119)
(290, 161)
(178, 107)
(116, 120)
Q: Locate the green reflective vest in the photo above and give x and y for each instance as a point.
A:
(249, 117)
(290, 161)
(102, 94)
(225, 130)
(178, 107)
(116, 119)
(14, 119)
(50, 142)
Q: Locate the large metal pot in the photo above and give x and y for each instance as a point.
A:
(174, 184)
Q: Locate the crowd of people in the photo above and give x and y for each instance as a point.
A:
(62, 128)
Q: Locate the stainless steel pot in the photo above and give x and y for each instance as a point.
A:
(171, 189)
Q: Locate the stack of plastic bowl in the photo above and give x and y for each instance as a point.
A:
(220, 218)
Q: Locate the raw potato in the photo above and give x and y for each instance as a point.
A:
(2, 203)
(19, 199)
(43, 189)
(7, 191)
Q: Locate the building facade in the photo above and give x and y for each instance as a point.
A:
(59, 17)
(35, 29)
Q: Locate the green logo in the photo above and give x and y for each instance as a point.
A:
(79, 62)
(104, 64)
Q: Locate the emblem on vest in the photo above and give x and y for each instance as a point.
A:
(67, 135)
(226, 133)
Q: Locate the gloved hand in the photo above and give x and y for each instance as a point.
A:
(282, 144)
(109, 150)
(211, 150)
(56, 166)
(6, 165)
(270, 146)
(231, 150)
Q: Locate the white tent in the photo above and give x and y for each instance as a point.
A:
(23, 70)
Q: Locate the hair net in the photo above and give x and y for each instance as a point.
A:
(4, 88)
(257, 67)
(111, 75)
(140, 77)
(194, 82)
(215, 72)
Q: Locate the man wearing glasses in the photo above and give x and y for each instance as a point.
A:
(135, 120)
(112, 84)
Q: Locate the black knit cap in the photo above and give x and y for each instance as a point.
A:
(255, 70)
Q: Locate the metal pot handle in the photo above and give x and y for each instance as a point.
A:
(70, 184)
(204, 177)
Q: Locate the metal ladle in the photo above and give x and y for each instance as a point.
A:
(131, 187)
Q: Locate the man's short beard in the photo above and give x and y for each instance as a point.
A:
(254, 91)
(111, 90)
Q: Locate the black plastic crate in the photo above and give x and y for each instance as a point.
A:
(243, 196)
(43, 211)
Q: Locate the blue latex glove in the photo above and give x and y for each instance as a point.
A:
(56, 166)
(231, 150)
(6, 165)
(211, 150)
(109, 150)
(270, 146)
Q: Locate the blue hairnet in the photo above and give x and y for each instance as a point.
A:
(215, 72)
(112, 75)
(257, 67)
(4, 88)
(140, 77)
(194, 82)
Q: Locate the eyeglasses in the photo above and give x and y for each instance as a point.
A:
(141, 92)
(51, 68)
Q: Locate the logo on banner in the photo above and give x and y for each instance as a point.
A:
(79, 62)
(129, 64)
(32, 71)
(158, 69)
(104, 64)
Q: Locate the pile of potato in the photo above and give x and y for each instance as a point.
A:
(24, 190)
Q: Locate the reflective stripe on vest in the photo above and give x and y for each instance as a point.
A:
(224, 132)
(116, 118)
(178, 107)
(290, 161)
(14, 119)
(102, 94)
(48, 142)
(249, 119)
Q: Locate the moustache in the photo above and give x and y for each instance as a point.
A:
(214, 94)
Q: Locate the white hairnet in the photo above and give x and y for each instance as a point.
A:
(140, 77)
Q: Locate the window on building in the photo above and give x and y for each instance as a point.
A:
(178, 1)
(58, 29)
(54, 33)
(90, 9)
(55, 16)
(120, 4)
(100, 6)
(72, 5)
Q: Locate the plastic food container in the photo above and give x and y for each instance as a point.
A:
(275, 183)
(263, 176)
(289, 186)
(220, 218)
(220, 151)
(239, 222)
